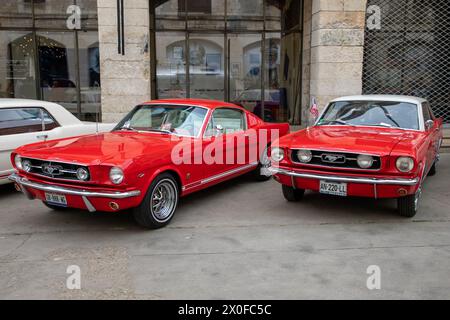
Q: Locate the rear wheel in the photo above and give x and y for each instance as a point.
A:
(159, 204)
(409, 205)
(291, 194)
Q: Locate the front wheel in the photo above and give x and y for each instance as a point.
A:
(409, 205)
(159, 204)
(291, 194)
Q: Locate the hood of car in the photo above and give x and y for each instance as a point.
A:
(114, 148)
(370, 140)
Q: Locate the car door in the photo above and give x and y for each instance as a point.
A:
(230, 126)
(20, 126)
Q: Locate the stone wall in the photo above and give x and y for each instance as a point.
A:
(337, 38)
(125, 79)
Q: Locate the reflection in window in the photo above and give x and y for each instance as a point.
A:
(17, 67)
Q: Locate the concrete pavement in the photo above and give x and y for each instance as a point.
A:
(238, 240)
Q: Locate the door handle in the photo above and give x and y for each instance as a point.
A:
(42, 136)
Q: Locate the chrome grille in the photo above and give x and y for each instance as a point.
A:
(53, 169)
(334, 159)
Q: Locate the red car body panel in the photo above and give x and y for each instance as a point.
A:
(142, 156)
(387, 143)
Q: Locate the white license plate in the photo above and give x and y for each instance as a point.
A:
(334, 188)
(57, 199)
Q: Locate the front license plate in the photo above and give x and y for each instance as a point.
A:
(57, 199)
(334, 188)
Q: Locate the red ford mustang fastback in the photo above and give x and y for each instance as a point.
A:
(365, 146)
(160, 151)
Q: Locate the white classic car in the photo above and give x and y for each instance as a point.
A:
(25, 121)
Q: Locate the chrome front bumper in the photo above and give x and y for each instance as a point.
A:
(24, 182)
(332, 178)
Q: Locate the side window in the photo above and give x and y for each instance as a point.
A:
(25, 120)
(232, 120)
(20, 120)
(426, 112)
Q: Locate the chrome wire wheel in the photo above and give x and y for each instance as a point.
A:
(265, 163)
(164, 200)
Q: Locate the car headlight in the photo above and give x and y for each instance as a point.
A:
(277, 154)
(26, 165)
(364, 161)
(405, 164)
(18, 161)
(116, 175)
(304, 156)
(82, 174)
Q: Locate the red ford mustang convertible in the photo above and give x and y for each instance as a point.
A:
(364, 146)
(160, 151)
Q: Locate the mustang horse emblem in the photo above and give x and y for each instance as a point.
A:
(50, 169)
(333, 158)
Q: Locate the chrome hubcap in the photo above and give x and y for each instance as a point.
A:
(164, 200)
(265, 164)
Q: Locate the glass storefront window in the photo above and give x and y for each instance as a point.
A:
(17, 66)
(273, 14)
(57, 59)
(89, 55)
(171, 65)
(206, 72)
(245, 15)
(244, 82)
(88, 10)
(57, 68)
(51, 14)
(170, 15)
(16, 13)
(254, 59)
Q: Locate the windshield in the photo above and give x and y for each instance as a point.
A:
(371, 113)
(180, 120)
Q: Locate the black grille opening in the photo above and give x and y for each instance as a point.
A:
(54, 169)
(336, 160)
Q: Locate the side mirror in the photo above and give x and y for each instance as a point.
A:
(218, 130)
(429, 124)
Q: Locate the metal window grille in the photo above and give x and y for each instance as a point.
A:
(410, 52)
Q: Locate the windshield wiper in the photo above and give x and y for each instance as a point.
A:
(385, 125)
(338, 121)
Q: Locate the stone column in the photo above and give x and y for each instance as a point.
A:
(125, 79)
(337, 38)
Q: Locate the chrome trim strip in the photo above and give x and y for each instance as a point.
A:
(229, 173)
(363, 180)
(219, 176)
(75, 192)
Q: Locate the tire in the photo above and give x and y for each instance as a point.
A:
(53, 207)
(408, 206)
(432, 171)
(291, 194)
(160, 203)
(263, 165)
